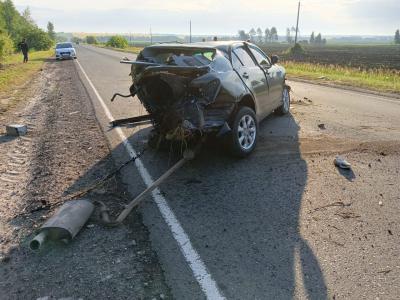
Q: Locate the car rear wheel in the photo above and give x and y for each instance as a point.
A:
(285, 107)
(243, 138)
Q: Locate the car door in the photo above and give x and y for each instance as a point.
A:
(253, 76)
(273, 74)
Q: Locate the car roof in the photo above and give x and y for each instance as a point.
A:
(221, 45)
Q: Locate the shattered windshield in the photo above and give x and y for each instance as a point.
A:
(179, 56)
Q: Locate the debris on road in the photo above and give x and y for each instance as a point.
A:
(65, 224)
(339, 203)
(347, 215)
(321, 126)
(16, 130)
(188, 154)
(385, 271)
(340, 162)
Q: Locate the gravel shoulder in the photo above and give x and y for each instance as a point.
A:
(65, 151)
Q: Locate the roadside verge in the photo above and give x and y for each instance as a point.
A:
(65, 152)
(15, 75)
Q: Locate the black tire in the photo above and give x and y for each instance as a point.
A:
(285, 107)
(238, 146)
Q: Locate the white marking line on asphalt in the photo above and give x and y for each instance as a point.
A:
(203, 277)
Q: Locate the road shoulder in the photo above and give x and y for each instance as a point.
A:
(64, 152)
(336, 85)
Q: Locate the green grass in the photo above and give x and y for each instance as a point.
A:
(383, 80)
(14, 74)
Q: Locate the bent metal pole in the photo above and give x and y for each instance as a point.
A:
(188, 155)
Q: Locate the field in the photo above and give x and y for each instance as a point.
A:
(354, 56)
(375, 67)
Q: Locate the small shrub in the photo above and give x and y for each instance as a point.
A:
(296, 50)
(117, 41)
(6, 45)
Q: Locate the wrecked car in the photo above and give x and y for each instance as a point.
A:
(219, 88)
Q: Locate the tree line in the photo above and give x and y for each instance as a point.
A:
(15, 26)
(259, 36)
(397, 37)
(270, 35)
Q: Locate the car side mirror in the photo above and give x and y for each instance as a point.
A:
(274, 59)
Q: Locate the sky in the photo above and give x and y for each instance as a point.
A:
(217, 17)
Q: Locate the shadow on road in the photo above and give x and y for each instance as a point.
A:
(6, 138)
(347, 173)
(243, 215)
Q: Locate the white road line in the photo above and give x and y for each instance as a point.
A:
(200, 272)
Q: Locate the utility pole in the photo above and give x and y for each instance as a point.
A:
(190, 30)
(151, 37)
(297, 24)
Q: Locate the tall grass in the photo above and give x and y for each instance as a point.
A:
(386, 80)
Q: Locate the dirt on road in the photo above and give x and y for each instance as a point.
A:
(63, 153)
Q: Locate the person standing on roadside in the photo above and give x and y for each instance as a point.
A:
(24, 48)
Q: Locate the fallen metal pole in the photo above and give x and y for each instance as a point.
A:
(188, 155)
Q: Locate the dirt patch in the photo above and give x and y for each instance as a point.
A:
(64, 152)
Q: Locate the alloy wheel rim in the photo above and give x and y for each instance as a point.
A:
(286, 99)
(247, 132)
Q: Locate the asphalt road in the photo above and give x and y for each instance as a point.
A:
(283, 223)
